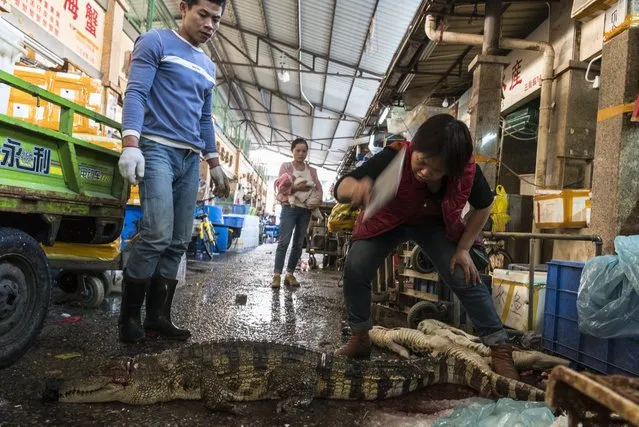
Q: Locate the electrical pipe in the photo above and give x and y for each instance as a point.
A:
(299, 58)
(547, 75)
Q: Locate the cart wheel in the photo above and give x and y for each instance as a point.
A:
(312, 262)
(68, 281)
(420, 262)
(108, 281)
(93, 292)
(25, 293)
(421, 311)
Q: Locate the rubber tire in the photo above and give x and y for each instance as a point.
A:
(229, 240)
(95, 290)
(421, 311)
(420, 262)
(68, 281)
(507, 259)
(312, 262)
(19, 250)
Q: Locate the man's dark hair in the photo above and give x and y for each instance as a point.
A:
(191, 3)
(298, 141)
(444, 136)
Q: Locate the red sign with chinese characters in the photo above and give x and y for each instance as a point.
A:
(78, 24)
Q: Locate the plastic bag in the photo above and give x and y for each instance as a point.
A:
(342, 217)
(503, 413)
(608, 298)
(499, 212)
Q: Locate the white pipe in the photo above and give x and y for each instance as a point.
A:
(299, 56)
(547, 75)
(13, 44)
(596, 58)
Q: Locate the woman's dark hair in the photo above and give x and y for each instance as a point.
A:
(444, 136)
(298, 141)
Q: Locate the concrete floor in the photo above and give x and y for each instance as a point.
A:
(311, 315)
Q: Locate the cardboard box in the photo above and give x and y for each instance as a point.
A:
(561, 208)
(511, 298)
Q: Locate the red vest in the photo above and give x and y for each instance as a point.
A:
(412, 195)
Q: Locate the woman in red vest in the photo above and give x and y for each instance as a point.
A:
(440, 176)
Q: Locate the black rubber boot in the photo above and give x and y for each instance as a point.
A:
(158, 310)
(130, 324)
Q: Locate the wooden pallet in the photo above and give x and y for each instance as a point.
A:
(594, 400)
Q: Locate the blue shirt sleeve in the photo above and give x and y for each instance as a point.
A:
(207, 132)
(145, 61)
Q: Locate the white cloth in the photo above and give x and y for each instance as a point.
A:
(299, 198)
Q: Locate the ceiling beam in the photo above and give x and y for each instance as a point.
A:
(306, 51)
(284, 97)
(330, 43)
(307, 116)
(359, 60)
(296, 70)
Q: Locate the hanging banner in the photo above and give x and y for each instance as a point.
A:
(78, 24)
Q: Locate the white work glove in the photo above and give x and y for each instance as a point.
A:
(131, 165)
(222, 186)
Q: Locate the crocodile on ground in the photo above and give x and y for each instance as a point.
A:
(223, 372)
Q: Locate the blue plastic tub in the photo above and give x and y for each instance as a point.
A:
(234, 221)
(132, 218)
(222, 239)
(215, 214)
(561, 333)
(240, 209)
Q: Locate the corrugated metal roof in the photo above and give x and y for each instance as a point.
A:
(333, 37)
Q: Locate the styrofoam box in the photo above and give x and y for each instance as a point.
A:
(510, 297)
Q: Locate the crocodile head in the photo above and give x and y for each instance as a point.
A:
(132, 380)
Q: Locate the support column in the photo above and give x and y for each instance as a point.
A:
(485, 108)
(615, 190)
(113, 24)
(492, 27)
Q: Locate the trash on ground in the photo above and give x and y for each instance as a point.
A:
(68, 320)
(240, 299)
(65, 356)
(505, 412)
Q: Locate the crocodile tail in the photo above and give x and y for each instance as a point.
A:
(458, 368)
(517, 390)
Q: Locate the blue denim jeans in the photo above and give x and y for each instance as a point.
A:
(292, 218)
(365, 257)
(168, 193)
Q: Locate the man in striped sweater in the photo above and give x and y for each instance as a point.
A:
(167, 125)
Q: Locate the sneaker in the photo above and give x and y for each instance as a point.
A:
(275, 283)
(290, 280)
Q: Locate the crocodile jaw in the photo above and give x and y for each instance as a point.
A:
(96, 390)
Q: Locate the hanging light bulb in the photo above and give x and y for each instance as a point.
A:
(445, 103)
(283, 75)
